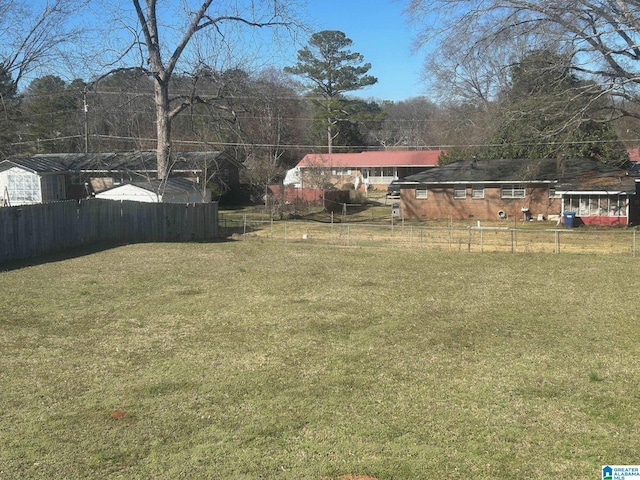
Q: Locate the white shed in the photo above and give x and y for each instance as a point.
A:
(27, 182)
(171, 190)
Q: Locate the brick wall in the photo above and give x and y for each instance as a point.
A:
(440, 203)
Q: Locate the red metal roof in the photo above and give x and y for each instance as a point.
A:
(385, 158)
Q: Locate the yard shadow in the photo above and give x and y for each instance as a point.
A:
(351, 216)
(78, 252)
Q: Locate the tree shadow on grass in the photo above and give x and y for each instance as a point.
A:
(81, 252)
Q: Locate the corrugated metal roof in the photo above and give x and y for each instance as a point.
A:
(140, 162)
(40, 166)
(571, 173)
(385, 158)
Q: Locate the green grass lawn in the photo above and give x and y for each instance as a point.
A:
(248, 360)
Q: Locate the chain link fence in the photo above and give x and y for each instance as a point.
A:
(537, 239)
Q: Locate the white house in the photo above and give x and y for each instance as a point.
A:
(172, 190)
(371, 168)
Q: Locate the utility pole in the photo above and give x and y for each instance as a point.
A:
(86, 121)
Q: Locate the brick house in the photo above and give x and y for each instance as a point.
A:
(366, 169)
(525, 189)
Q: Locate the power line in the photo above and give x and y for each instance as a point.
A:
(315, 147)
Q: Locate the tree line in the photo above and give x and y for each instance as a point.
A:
(269, 121)
(538, 87)
(247, 113)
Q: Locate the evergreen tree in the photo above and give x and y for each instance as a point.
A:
(547, 112)
(331, 70)
(51, 108)
(9, 113)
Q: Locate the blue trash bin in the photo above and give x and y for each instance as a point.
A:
(569, 218)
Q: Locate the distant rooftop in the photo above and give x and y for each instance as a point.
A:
(384, 158)
(169, 185)
(141, 162)
(571, 173)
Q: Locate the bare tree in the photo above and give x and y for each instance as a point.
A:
(33, 37)
(601, 37)
(163, 39)
(270, 122)
(33, 34)
(407, 123)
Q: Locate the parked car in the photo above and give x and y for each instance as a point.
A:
(393, 190)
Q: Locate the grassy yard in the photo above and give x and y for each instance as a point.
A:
(248, 360)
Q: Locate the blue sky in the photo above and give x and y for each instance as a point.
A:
(379, 32)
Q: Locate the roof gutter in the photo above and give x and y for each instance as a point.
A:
(477, 182)
(594, 192)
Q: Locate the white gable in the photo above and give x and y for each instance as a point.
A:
(129, 192)
(293, 177)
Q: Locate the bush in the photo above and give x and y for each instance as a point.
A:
(356, 197)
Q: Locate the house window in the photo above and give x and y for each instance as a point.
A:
(23, 187)
(513, 191)
(553, 193)
(477, 191)
(597, 205)
(460, 191)
(421, 193)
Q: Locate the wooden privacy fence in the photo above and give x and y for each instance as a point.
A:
(32, 230)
